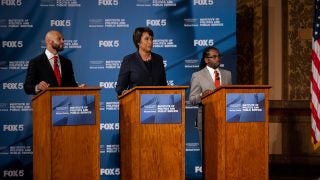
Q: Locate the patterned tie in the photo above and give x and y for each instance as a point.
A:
(217, 79)
(56, 70)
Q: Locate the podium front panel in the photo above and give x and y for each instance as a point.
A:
(238, 149)
(152, 144)
(65, 151)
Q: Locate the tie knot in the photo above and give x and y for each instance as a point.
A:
(216, 74)
(55, 58)
(217, 79)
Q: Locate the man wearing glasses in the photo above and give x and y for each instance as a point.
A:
(208, 78)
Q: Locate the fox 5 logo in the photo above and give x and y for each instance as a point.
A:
(11, 2)
(198, 169)
(12, 173)
(12, 86)
(12, 44)
(170, 82)
(108, 2)
(109, 126)
(108, 85)
(203, 42)
(156, 22)
(109, 43)
(13, 127)
(203, 2)
(110, 171)
(60, 23)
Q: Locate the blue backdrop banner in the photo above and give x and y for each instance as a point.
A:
(98, 34)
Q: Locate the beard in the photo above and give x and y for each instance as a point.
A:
(215, 65)
(58, 47)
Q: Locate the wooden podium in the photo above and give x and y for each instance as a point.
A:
(151, 150)
(65, 151)
(235, 150)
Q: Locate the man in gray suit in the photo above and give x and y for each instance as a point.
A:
(208, 78)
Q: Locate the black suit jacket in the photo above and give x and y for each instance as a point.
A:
(39, 69)
(133, 72)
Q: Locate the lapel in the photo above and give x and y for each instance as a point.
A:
(223, 77)
(208, 81)
(62, 66)
(48, 66)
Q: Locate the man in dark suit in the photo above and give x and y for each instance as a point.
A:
(40, 72)
(142, 68)
(203, 81)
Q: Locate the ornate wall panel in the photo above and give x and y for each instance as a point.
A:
(298, 20)
(252, 42)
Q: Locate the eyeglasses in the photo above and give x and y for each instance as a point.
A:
(215, 56)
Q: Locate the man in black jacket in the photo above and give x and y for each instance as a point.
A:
(40, 73)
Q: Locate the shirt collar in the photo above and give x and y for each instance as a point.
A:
(50, 55)
(212, 70)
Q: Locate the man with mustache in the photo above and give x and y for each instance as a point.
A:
(42, 70)
(208, 78)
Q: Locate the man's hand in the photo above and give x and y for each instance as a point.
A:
(42, 86)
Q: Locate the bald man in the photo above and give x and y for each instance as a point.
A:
(40, 72)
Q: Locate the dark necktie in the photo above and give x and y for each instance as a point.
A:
(217, 79)
(56, 70)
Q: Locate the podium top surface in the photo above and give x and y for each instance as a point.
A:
(239, 87)
(150, 88)
(65, 89)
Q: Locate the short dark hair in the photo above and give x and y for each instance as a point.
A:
(205, 54)
(138, 33)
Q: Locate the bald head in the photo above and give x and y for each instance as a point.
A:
(54, 41)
